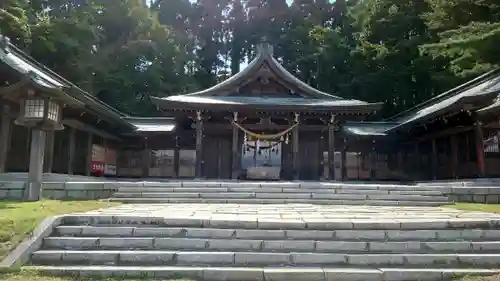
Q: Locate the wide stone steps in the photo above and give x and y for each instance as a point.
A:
(266, 273)
(233, 242)
(279, 193)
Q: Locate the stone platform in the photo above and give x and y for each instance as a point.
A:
(240, 242)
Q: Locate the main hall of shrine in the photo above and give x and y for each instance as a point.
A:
(260, 124)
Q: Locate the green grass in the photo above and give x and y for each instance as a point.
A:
(491, 208)
(36, 276)
(479, 278)
(18, 219)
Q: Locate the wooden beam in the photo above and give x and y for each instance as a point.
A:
(87, 128)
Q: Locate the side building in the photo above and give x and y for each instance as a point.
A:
(262, 123)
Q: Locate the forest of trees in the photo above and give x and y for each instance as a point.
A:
(398, 51)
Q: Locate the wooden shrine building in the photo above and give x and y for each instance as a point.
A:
(262, 123)
(280, 116)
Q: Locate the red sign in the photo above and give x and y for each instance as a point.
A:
(97, 167)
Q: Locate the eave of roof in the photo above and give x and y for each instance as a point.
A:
(238, 103)
(368, 128)
(48, 79)
(152, 124)
(449, 93)
(481, 92)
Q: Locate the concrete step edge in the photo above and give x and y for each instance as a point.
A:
(199, 258)
(262, 274)
(238, 233)
(280, 201)
(262, 246)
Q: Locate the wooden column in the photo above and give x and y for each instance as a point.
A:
(331, 148)
(71, 150)
(478, 135)
(146, 158)
(454, 155)
(199, 144)
(417, 156)
(177, 150)
(343, 169)
(295, 147)
(88, 161)
(49, 152)
(235, 163)
(5, 137)
(434, 159)
(372, 159)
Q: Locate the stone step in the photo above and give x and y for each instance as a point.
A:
(310, 185)
(138, 200)
(252, 259)
(252, 234)
(264, 273)
(277, 190)
(260, 195)
(249, 221)
(321, 246)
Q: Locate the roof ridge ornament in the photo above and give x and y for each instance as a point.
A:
(264, 47)
(4, 42)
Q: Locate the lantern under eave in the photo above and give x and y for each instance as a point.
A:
(40, 112)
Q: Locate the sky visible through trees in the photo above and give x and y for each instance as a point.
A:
(401, 52)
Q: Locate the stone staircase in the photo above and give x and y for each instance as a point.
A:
(235, 242)
(279, 193)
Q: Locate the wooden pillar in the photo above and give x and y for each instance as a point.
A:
(417, 156)
(235, 151)
(479, 140)
(331, 148)
(6, 124)
(177, 150)
(372, 159)
(434, 159)
(454, 155)
(344, 160)
(71, 150)
(88, 163)
(146, 158)
(295, 143)
(199, 144)
(49, 152)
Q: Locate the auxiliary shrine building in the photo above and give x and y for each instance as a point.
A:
(262, 123)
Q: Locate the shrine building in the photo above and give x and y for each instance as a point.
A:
(260, 124)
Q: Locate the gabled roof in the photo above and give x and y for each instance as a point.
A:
(312, 99)
(480, 91)
(265, 55)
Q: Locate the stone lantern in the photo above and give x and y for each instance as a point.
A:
(41, 113)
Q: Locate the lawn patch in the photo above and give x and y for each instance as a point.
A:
(18, 219)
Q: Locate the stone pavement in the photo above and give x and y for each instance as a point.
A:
(296, 212)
